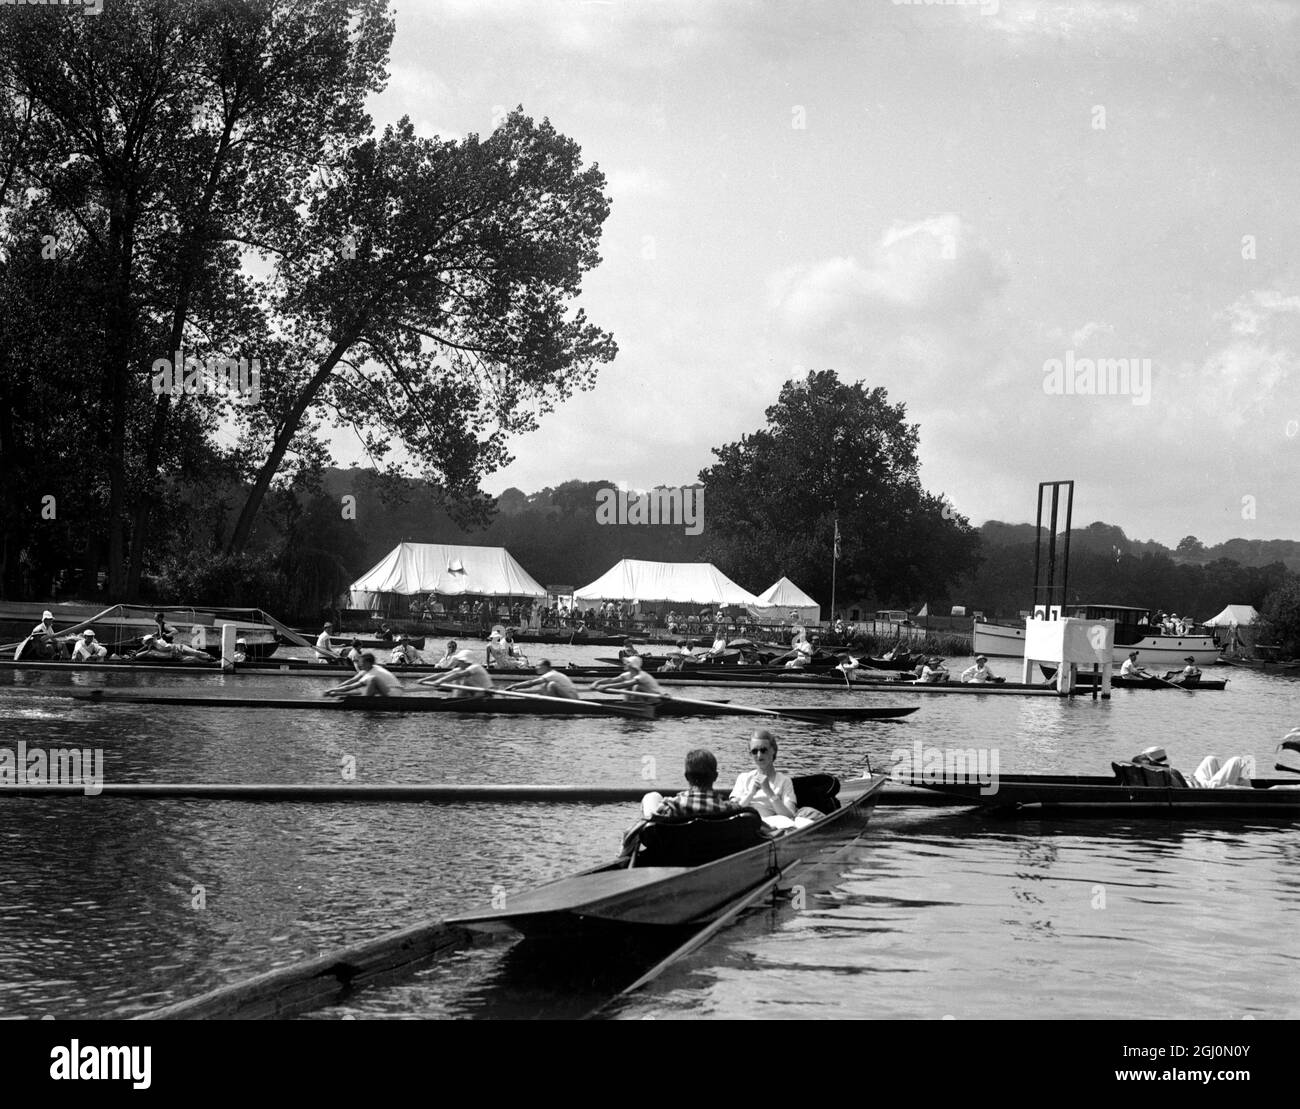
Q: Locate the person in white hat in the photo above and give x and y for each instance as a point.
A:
(978, 674)
(86, 649)
(1189, 673)
(371, 680)
(466, 672)
(1213, 773)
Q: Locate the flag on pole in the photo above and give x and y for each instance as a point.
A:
(837, 540)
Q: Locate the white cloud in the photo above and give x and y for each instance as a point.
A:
(934, 267)
(1088, 330)
(1256, 312)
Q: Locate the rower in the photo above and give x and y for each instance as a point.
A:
(1131, 669)
(87, 650)
(466, 672)
(324, 651)
(1189, 673)
(633, 680)
(934, 671)
(978, 674)
(372, 680)
(803, 656)
(549, 682)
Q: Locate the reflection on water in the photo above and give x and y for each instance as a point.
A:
(114, 907)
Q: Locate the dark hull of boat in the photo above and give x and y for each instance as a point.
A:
(342, 643)
(613, 898)
(1041, 794)
(496, 706)
(1118, 681)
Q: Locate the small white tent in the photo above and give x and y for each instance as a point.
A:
(1241, 616)
(782, 598)
(682, 583)
(412, 569)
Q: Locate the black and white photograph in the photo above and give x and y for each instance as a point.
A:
(604, 510)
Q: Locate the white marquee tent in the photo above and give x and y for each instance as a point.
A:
(1241, 616)
(782, 598)
(451, 570)
(682, 583)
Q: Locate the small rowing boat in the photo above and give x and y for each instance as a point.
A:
(369, 643)
(686, 874)
(1073, 795)
(496, 706)
(1118, 681)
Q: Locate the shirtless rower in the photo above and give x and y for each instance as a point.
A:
(466, 672)
(372, 680)
(632, 680)
(549, 682)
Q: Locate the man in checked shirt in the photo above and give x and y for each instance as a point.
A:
(699, 799)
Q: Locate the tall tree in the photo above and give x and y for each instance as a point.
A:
(429, 297)
(163, 133)
(834, 453)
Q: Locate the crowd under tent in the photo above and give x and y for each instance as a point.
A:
(445, 569)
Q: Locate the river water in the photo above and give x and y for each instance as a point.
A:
(113, 907)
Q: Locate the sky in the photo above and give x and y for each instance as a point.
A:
(967, 204)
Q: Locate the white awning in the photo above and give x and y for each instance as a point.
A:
(683, 583)
(1239, 615)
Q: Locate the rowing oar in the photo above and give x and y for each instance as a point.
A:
(702, 937)
(645, 712)
(733, 709)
